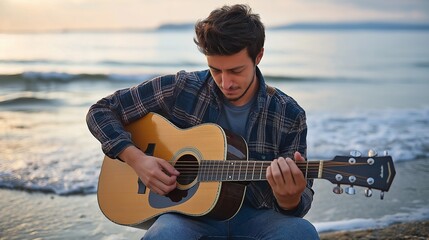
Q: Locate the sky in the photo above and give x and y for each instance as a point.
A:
(46, 15)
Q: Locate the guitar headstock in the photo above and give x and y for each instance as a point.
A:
(372, 171)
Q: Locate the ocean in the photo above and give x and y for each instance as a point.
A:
(361, 90)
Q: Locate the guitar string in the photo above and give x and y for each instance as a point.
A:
(219, 168)
(237, 176)
(232, 173)
(252, 166)
(266, 162)
(243, 177)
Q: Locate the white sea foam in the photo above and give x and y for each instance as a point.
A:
(401, 132)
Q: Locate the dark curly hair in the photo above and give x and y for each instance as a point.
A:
(230, 29)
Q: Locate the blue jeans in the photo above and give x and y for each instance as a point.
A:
(249, 223)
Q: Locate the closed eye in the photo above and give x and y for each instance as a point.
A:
(215, 70)
(237, 71)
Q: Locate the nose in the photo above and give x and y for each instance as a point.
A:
(226, 80)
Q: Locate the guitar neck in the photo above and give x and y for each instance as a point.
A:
(232, 170)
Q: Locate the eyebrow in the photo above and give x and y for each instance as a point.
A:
(230, 69)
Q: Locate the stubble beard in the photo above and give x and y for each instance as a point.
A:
(245, 91)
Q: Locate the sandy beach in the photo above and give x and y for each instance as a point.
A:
(412, 230)
(47, 216)
(35, 215)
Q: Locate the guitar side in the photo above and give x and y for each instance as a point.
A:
(124, 200)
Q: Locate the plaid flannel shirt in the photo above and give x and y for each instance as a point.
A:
(276, 126)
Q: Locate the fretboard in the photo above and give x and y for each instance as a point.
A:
(231, 170)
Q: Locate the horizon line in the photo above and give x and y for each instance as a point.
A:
(332, 25)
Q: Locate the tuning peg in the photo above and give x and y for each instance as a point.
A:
(368, 192)
(355, 153)
(338, 189)
(381, 195)
(372, 153)
(350, 190)
(386, 153)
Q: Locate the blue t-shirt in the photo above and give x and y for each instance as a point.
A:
(234, 118)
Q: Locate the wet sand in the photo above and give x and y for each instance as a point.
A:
(412, 230)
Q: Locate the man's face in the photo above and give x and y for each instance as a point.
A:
(235, 75)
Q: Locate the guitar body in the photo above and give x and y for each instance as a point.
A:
(124, 199)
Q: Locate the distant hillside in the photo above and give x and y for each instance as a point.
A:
(353, 26)
(320, 26)
(175, 26)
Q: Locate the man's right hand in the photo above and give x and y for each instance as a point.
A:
(156, 173)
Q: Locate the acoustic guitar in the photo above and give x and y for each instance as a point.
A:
(214, 169)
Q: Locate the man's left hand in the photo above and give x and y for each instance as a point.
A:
(287, 181)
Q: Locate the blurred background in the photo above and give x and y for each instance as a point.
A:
(360, 69)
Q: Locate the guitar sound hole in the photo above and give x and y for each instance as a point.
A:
(187, 165)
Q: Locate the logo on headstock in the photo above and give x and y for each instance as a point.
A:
(382, 171)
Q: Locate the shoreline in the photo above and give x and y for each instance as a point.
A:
(42, 215)
(409, 230)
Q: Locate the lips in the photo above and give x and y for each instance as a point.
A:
(231, 91)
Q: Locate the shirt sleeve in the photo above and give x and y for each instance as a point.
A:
(106, 118)
(304, 205)
(297, 141)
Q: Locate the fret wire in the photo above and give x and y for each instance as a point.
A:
(206, 170)
(226, 163)
(217, 172)
(223, 170)
(228, 175)
(209, 176)
(241, 165)
(233, 170)
(253, 170)
(306, 170)
(245, 169)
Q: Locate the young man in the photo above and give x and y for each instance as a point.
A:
(233, 94)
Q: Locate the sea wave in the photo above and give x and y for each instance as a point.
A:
(24, 100)
(397, 131)
(65, 77)
(45, 185)
(106, 62)
(421, 64)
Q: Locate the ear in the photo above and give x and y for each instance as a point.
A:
(259, 57)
